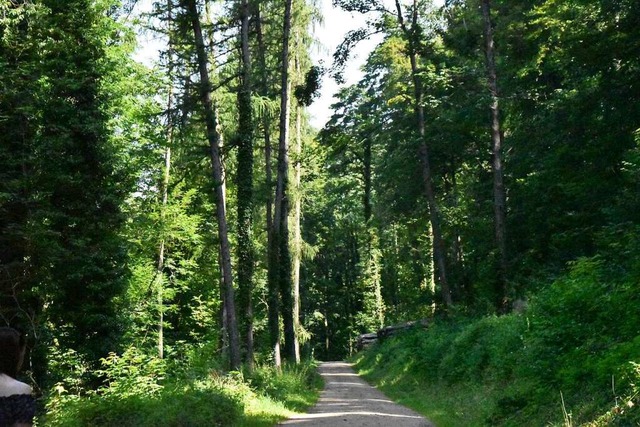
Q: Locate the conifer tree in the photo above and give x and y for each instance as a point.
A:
(210, 117)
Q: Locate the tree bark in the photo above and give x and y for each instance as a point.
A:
(272, 253)
(297, 235)
(367, 179)
(213, 138)
(281, 214)
(434, 214)
(161, 249)
(499, 194)
(245, 186)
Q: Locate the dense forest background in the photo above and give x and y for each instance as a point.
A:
(486, 166)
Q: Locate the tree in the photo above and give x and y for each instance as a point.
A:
(244, 179)
(213, 138)
(499, 194)
(273, 292)
(67, 172)
(280, 257)
(412, 36)
(18, 104)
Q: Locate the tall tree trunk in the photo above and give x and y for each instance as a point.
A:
(245, 186)
(161, 249)
(225, 331)
(499, 196)
(439, 252)
(165, 184)
(367, 180)
(372, 278)
(281, 214)
(431, 274)
(213, 138)
(272, 253)
(297, 235)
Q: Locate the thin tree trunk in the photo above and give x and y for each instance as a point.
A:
(499, 195)
(225, 332)
(367, 180)
(280, 223)
(213, 138)
(434, 214)
(244, 179)
(165, 188)
(297, 235)
(161, 249)
(431, 275)
(272, 253)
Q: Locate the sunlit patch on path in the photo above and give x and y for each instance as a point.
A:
(349, 401)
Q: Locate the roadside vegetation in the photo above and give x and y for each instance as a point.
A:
(570, 358)
(147, 391)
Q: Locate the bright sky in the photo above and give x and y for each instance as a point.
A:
(336, 25)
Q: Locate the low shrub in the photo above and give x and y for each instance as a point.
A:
(139, 391)
(291, 385)
(189, 407)
(575, 349)
(487, 349)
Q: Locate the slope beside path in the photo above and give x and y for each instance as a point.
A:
(347, 400)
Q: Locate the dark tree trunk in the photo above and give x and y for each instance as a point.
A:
(213, 138)
(439, 252)
(499, 195)
(245, 187)
(281, 214)
(272, 253)
(367, 179)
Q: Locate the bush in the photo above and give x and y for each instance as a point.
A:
(142, 390)
(579, 337)
(290, 386)
(178, 407)
(489, 348)
(584, 326)
(136, 393)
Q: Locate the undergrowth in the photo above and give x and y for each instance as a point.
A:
(572, 358)
(142, 390)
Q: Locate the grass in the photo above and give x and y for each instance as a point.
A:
(444, 405)
(262, 411)
(460, 384)
(280, 396)
(573, 357)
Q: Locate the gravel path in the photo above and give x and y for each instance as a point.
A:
(347, 400)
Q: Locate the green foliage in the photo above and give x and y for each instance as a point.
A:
(291, 385)
(209, 405)
(587, 316)
(142, 390)
(578, 336)
(488, 349)
(83, 133)
(306, 93)
(132, 373)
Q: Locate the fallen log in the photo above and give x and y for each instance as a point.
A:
(388, 331)
(365, 340)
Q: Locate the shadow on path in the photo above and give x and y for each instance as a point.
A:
(347, 400)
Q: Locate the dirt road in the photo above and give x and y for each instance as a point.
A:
(347, 400)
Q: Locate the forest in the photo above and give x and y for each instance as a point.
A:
(179, 244)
